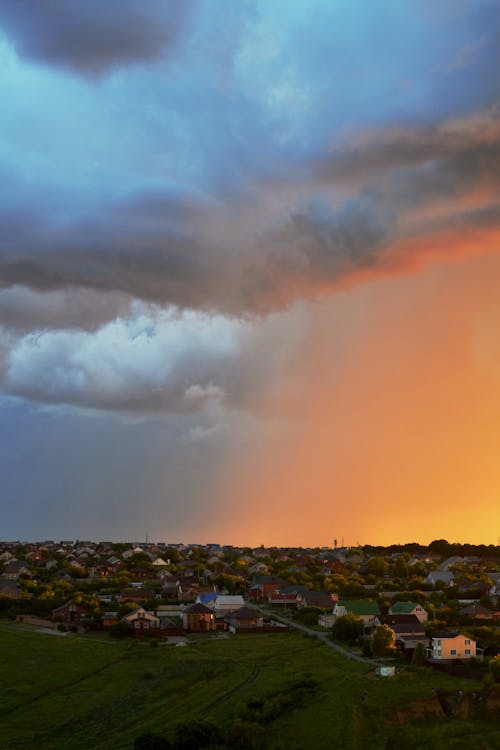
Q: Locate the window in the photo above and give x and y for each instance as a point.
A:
(467, 641)
(438, 642)
(467, 651)
(453, 651)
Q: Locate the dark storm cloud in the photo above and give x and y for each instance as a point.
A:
(239, 258)
(22, 309)
(93, 37)
(465, 148)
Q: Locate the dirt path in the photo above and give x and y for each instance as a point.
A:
(225, 696)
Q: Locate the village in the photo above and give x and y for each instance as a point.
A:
(436, 605)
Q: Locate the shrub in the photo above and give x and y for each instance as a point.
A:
(494, 667)
(348, 628)
(150, 741)
(199, 733)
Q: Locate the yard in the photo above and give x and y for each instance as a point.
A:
(80, 692)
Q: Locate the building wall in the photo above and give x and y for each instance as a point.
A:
(459, 647)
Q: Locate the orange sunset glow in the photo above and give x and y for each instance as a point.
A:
(250, 271)
(389, 427)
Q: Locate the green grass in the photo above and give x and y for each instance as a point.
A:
(78, 692)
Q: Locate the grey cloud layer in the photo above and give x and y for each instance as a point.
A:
(282, 241)
(93, 37)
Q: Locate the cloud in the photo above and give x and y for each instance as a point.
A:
(282, 240)
(152, 361)
(22, 309)
(144, 362)
(92, 38)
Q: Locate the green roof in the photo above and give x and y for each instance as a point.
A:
(291, 589)
(403, 608)
(360, 607)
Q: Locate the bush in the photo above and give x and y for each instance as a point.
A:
(348, 628)
(494, 667)
(245, 736)
(382, 641)
(150, 741)
(199, 733)
(119, 630)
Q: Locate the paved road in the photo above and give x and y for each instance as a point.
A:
(322, 637)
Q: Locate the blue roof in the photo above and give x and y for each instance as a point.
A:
(207, 597)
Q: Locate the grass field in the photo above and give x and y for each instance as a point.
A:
(81, 692)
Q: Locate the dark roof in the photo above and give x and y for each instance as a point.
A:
(399, 618)
(258, 580)
(198, 609)
(403, 624)
(475, 609)
(320, 599)
(245, 613)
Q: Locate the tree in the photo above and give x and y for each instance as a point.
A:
(348, 628)
(494, 667)
(377, 566)
(382, 641)
(419, 655)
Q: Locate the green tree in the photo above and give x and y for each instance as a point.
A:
(494, 667)
(377, 566)
(348, 628)
(419, 655)
(382, 641)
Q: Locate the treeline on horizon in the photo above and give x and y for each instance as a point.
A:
(438, 547)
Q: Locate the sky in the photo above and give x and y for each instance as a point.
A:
(250, 271)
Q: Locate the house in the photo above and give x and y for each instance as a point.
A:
(14, 569)
(136, 595)
(448, 646)
(439, 577)
(262, 586)
(207, 598)
(169, 583)
(141, 619)
(408, 630)
(476, 588)
(409, 608)
(109, 619)
(365, 609)
(477, 612)
(71, 612)
(244, 618)
(450, 562)
(494, 592)
(320, 599)
(223, 604)
(198, 619)
(259, 568)
(10, 589)
(276, 597)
